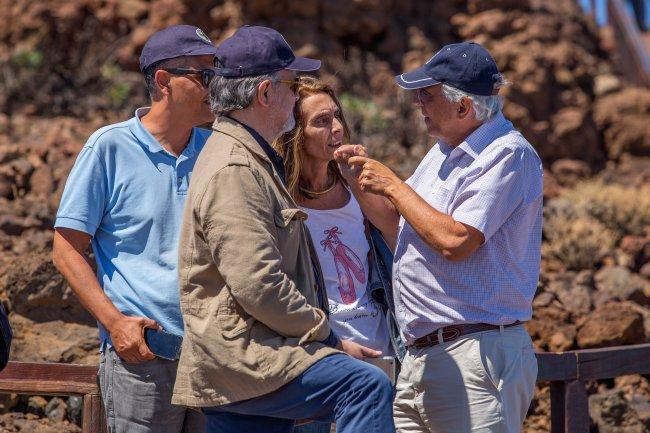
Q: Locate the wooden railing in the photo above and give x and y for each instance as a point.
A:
(632, 50)
(567, 373)
(34, 378)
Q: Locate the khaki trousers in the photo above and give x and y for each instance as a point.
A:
(479, 383)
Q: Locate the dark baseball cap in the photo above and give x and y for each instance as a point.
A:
(175, 41)
(255, 50)
(466, 66)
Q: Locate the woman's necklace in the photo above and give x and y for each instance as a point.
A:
(319, 193)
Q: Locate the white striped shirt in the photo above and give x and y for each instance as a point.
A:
(493, 182)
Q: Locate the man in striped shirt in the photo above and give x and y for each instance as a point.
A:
(467, 236)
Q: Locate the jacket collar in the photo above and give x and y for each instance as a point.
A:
(228, 126)
(237, 131)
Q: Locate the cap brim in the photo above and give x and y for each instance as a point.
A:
(303, 64)
(203, 51)
(416, 79)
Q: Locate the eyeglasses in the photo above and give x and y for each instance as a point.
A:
(293, 85)
(423, 96)
(206, 74)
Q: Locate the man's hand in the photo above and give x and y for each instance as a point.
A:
(343, 154)
(357, 351)
(127, 336)
(375, 177)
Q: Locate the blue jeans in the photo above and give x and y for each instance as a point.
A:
(356, 395)
(313, 427)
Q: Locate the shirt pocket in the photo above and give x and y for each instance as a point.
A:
(440, 198)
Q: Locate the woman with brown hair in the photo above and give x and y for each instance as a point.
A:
(338, 228)
(356, 278)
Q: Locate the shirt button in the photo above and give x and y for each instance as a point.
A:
(180, 180)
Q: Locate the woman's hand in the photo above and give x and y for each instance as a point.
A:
(342, 156)
(357, 351)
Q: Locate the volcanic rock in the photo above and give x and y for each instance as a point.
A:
(612, 324)
(612, 413)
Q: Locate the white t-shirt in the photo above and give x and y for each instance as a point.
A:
(342, 248)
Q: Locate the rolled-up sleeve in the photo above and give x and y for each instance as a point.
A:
(84, 196)
(486, 201)
(240, 229)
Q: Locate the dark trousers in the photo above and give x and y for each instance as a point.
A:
(356, 395)
(639, 13)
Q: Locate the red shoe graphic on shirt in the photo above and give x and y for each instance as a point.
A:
(347, 264)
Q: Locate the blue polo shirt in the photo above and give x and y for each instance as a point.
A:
(128, 193)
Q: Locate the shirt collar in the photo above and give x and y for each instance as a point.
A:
(485, 134)
(149, 141)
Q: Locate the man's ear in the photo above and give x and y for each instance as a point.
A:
(464, 108)
(162, 81)
(263, 90)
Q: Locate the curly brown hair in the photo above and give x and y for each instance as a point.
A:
(290, 144)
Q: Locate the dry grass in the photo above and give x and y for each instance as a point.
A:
(579, 243)
(585, 224)
(624, 210)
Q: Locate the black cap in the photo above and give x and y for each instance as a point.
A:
(255, 50)
(466, 66)
(175, 41)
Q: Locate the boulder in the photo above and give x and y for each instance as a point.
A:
(618, 283)
(612, 413)
(53, 341)
(38, 291)
(56, 410)
(612, 324)
(573, 290)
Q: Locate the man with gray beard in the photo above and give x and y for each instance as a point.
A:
(258, 351)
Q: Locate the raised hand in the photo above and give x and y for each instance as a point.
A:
(343, 154)
(374, 177)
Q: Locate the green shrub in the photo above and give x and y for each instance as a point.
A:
(28, 59)
(363, 115)
(119, 93)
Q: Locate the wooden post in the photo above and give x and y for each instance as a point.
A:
(576, 409)
(558, 407)
(93, 420)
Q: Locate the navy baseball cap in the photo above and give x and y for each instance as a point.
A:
(466, 66)
(256, 50)
(175, 41)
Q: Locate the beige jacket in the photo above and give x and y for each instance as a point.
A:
(247, 285)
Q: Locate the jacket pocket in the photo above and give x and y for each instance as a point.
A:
(232, 319)
(232, 326)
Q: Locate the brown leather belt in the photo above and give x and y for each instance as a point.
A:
(452, 332)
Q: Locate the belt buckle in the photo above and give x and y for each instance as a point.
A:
(450, 333)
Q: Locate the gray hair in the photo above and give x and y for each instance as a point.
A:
(228, 94)
(485, 107)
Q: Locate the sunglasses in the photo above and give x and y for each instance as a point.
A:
(206, 74)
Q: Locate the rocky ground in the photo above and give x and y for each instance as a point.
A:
(69, 67)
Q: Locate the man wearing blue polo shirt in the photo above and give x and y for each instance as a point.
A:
(126, 194)
(467, 229)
